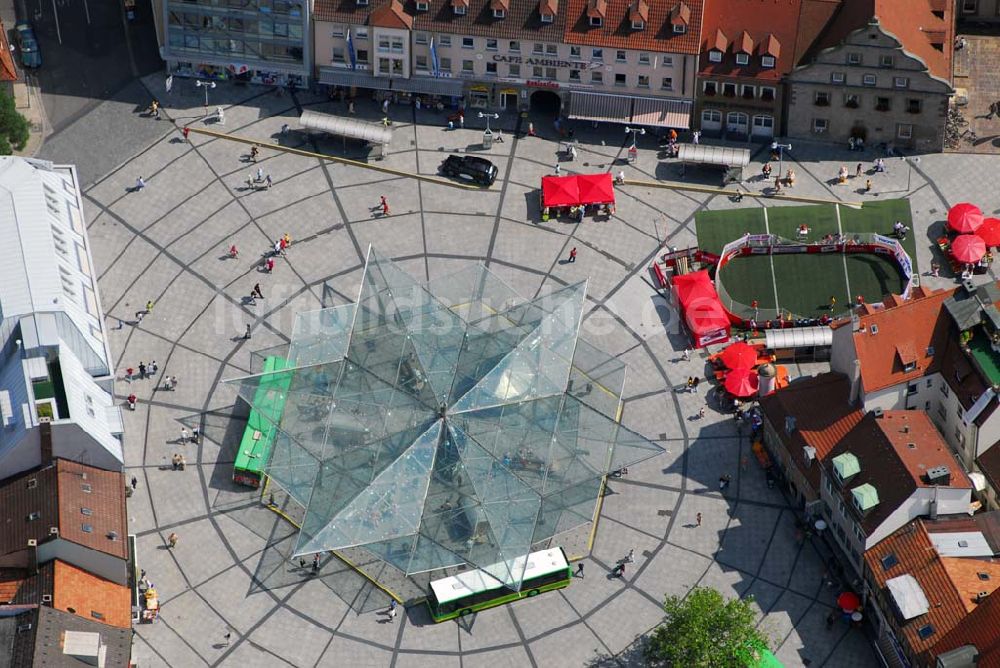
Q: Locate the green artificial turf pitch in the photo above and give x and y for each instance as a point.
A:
(804, 283)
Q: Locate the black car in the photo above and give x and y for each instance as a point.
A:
(480, 170)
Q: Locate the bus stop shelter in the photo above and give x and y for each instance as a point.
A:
(732, 160)
(373, 134)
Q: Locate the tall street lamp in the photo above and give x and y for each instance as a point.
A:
(206, 85)
(633, 152)
(780, 148)
(488, 117)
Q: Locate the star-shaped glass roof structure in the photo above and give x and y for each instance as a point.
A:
(444, 423)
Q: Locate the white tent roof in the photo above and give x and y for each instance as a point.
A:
(714, 155)
(908, 596)
(798, 337)
(376, 133)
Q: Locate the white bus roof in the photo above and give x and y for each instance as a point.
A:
(473, 582)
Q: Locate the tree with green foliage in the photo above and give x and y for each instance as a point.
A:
(13, 126)
(704, 630)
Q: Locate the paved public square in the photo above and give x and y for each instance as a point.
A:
(168, 243)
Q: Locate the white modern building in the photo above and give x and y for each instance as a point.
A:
(55, 364)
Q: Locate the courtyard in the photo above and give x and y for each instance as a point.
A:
(169, 243)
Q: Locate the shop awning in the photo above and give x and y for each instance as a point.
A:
(596, 188)
(600, 107)
(560, 191)
(429, 86)
(341, 77)
(723, 156)
(798, 337)
(375, 133)
(662, 112)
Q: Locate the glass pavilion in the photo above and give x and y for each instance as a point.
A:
(446, 423)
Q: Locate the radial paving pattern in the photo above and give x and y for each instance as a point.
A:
(230, 571)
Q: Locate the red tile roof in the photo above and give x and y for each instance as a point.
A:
(391, 15)
(920, 446)
(919, 327)
(980, 628)
(8, 71)
(916, 556)
(78, 592)
(57, 496)
(616, 30)
(989, 464)
(823, 416)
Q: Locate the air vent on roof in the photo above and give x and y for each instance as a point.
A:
(877, 412)
(32, 483)
(889, 560)
(54, 531)
(969, 286)
(86, 487)
(46, 598)
(23, 628)
(874, 329)
(32, 542)
(939, 475)
(911, 446)
(981, 596)
(96, 615)
(32, 516)
(963, 543)
(113, 535)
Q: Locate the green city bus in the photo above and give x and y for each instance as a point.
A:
(265, 413)
(473, 591)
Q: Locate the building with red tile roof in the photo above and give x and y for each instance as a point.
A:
(66, 511)
(65, 587)
(802, 424)
(881, 71)
(44, 636)
(980, 629)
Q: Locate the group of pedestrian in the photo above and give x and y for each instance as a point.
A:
(259, 180)
(142, 313)
(169, 383)
(692, 383)
(179, 462)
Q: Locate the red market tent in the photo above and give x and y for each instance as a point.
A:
(849, 601)
(702, 310)
(968, 248)
(560, 191)
(965, 218)
(596, 188)
(742, 382)
(739, 355)
(990, 231)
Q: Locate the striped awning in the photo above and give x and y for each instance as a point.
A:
(664, 113)
(429, 86)
(341, 77)
(600, 107)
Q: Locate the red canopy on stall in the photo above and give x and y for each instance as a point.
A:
(742, 382)
(739, 355)
(968, 248)
(596, 188)
(560, 191)
(965, 218)
(989, 231)
(703, 312)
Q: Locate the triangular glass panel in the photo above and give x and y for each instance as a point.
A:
(321, 336)
(474, 293)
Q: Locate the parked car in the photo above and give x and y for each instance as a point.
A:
(26, 42)
(480, 170)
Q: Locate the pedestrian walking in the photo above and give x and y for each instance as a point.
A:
(857, 172)
(140, 183)
(149, 306)
(234, 253)
(302, 562)
(185, 435)
(284, 129)
(269, 265)
(579, 570)
(185, 131)
(392, 610)
(142, 371)
(694, 385)
(315, 566)
(176, 461)
(195, 434)
(558, 169)
(350, 107)
(687, 354)
(172, 540)
(268, 181)
(696, 137)
(153, 368)
(246, 335)
(621, 570)
(690, 383)
(833, 302)
(257, 291)
(283, 244)
(287, 238)
(745, 463)
(572, 254)
(173, 383)
(701, 413)
(226, 638)
(935, 270)
(697, 519)
(531, 129)
(134, 482)
(868, 186)
(630, 557)
(129, 373)
(253, 152)
(384, 203)
(385, 106)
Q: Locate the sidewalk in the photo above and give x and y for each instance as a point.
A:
(26, 97)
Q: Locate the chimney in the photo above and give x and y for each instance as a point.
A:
(45, 441)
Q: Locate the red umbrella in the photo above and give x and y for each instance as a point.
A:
(742, 382)
(965, 218)
(848, 601)
(740, 355)
(968, 248)
(990, 231)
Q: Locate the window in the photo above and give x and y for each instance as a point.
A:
(901, 82)
(767, 61)
(620, 56)
(362, 56)
(869, 80)
(680, 29)
(749, 92)
(538, 49)
(491, 45)
(550, 73)
(421, 62)
(96, 615)
(729, 89)
(859, 534)
(445, 64)
(574, 75)
(596, 21)
(970, 6)
(666, 61)
(822, 99)
(514, 46)
(422, 6)
(983, 576)
(944, 389)
(961, 411)
(767, 93)
(597, 54)
(338, 55)
(597, 77)
(620, 80)
(514, 69)
(459, 10)
(709, 87)
(638, 25)
(854, 59)
(86, 511)
(837, 77)
(466, 66)
(536, 72)
(337, 32)
(547, 18)
(643, 81)
(715, 56)
(904, 131)
(384, 44)
(667, 83)
(88, 528)
(926, 631)
(445, 40)
(742, 59)
(889, 560)
(468, 43)
(574, 52)
(852, 101)
(643, 58)
(843, 509)
(491, 69)
(930, 382)
(421, 38)
(885, 61)
(820, 125)
(551, 50)
(87, 489)
(913, 106)
(499, 13)
(913, 388)
(883, 104)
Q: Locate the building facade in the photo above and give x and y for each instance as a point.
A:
(627, 63)
(253, 41)
(883, 78)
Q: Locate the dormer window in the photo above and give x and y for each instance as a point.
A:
(767, 61)
(362, 3)
(680, 29)
(423, 6)
(499, 8)
(548, 18)
(596, 11)
(638, 14)
(638, 25)
(547, 10)
(742, 59)
(460, 10)
(596, 21)
(715, 56)
(499, 14)
(680, 17)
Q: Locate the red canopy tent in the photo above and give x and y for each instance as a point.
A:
(560, 191)
(596, 188)
(703, 312)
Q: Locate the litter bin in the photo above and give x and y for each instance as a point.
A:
(633, 154)
(487, 139)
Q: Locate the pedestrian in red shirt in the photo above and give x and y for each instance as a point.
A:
(270, 264)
